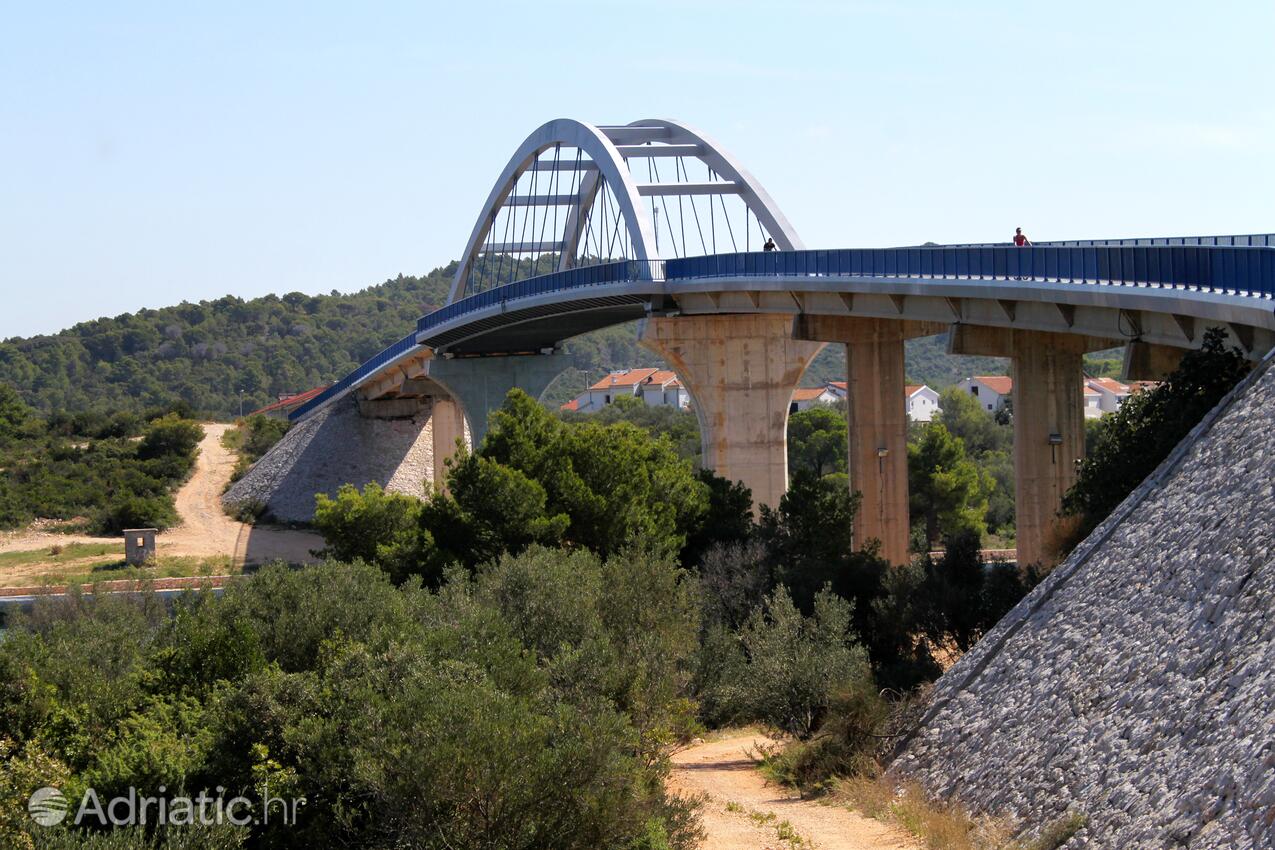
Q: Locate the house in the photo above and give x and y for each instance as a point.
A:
(1111, 393)
(654, 386)
(1093, 403)
(803, 398)
(921, 401)
(992, 391)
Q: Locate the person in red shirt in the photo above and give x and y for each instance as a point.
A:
(1020, 240)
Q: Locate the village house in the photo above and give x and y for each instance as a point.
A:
(803, 398)
(991, 391)
(655, 387)
(922, 401)
(1111, 392)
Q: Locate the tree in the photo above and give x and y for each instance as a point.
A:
(817, 440)
(488, 509)
(728, 519)
(615, 482)
(795, 664)
(374, 526)
(962, 416)
(947, 490)
(1131, 442)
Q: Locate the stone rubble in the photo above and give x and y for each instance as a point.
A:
(338, 446)
(1137, 686)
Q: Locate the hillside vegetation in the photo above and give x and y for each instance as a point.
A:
(212, 355)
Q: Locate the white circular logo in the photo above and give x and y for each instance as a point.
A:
(47, 806)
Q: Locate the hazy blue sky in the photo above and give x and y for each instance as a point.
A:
(160, 152)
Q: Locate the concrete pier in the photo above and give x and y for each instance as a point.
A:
(741, 371)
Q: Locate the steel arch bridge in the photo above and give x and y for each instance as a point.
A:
(593, 225)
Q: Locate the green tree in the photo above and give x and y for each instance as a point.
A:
(374, 526)
(1128, 444)
(948, 492)
(489, 509)
(795, 664)
(817, 440)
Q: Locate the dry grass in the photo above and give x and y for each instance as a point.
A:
(943, 826)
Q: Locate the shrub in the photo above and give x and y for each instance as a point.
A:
(171, 435)
(373, 526)
(795, 664)
(136, 512)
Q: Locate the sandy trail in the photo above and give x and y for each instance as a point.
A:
(205, 530)
(738, 799)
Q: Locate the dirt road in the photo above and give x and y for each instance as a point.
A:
(742, 811)
(205, 530)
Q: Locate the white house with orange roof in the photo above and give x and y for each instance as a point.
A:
(654, 386)
(804, 398)
(1112, 393)
(921, 400)
(1093, 402)
(991, 391)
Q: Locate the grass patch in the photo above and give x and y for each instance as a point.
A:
(944, 826)
(59, 554)
(166, 567)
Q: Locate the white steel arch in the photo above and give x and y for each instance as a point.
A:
(605, 158)
(609, 148)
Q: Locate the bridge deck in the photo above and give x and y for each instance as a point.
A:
(1232, 283)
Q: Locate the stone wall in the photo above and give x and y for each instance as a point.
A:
(1136, 685)
(338, 446)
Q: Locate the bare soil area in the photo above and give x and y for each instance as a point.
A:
(205, 530)
(743, 811)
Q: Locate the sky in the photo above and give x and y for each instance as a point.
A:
(152, 153)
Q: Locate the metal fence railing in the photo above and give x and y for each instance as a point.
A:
(1247, 271)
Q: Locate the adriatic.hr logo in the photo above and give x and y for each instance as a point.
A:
(48, 806)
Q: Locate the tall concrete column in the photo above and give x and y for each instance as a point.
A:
(448, 423)
(480, 384)
(1049, 437)
(877, 455)
(741, 371)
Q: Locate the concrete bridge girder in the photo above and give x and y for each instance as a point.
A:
(1157, 316)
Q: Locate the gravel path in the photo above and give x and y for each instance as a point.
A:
(742, 811)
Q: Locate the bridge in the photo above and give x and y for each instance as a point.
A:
(589, 226)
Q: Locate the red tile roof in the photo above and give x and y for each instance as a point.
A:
(1110, 385)
(807, 393)
(624, 378)
(574, 404)
(291, 401)
(999, 384)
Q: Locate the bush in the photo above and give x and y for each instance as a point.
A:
(795, 665)
(171, 436)
(373, 526)
(136, 512)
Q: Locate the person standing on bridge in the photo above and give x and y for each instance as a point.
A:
(1020, 238)
(770, 244)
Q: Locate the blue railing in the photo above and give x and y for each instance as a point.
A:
(621, 271)
(365, 370)
(1240, 270)
(1245, 240)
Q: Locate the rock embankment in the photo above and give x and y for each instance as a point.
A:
(1136, 685)
(338, 446)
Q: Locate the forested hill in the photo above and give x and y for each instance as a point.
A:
(205, 354)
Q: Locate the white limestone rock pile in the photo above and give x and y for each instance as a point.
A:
(1137, 687)
(338, 446)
